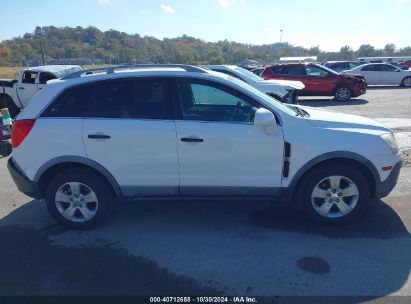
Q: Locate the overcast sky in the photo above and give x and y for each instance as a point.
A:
(327, 23)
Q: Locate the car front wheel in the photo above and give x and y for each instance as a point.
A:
(343, 94)
(79, 198)
(333, 194)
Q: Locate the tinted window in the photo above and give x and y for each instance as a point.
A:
(71, 103)
(29, 77)
(340, 65)
(130, 98)
(289, 70)
(387, 68)
(213, 102)
(44, 77)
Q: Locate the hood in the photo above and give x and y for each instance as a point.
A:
(352, 75)
(298, 85)
(334, 120)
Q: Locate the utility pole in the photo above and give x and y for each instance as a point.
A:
(281, 36)
(39, 32)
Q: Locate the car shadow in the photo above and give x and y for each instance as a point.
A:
(385, 87)
(314, 102)
(268, 232)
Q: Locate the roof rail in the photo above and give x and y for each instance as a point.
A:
(112, 69)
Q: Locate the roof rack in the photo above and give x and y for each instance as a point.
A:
(112, 69)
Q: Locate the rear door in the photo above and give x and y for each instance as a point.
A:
(221, 152)
(27, 87)
(130, 132)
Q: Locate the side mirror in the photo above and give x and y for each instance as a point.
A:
(265, 119)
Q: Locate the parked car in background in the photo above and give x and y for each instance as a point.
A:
(29, 81)
(407, 63)
(182, 131)
(339, 66)
(258, 71)
(399, 65)
(283, 90)
(318, 80)
(382, 73)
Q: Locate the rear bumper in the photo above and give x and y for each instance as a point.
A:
(384, 188)
(24, 185)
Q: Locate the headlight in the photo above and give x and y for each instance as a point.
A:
(391, 142)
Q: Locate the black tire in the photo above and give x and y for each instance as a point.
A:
(5, 148)
(94, 181)
(13, 109)
(342, 94)
(406, 82)
(317, 175)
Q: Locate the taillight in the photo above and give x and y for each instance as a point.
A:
(19, 131)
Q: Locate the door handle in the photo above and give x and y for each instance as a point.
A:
(192, 139)
(98, 136)
(21, 88)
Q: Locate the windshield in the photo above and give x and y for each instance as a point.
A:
(262, 96)
(327, 69)
(248, 74)
(69, 71)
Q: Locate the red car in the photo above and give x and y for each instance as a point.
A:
(318, 80)
(407, 63)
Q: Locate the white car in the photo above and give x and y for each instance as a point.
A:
(284, 90)
(382, 73)
(182, 131)
(18, 93)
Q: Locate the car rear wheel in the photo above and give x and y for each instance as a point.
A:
(79, 198)
(343, 94)
(333, 194)
(406, 82)
(5, 148)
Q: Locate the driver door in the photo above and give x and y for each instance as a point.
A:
(221, 152)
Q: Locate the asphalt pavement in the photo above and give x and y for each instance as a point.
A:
(218, 247)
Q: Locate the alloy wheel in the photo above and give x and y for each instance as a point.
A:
(76, 202)
(335, 196)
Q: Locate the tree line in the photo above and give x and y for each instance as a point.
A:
(113, 47)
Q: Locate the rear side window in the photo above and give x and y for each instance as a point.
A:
(131, 98)
(289, 70)
(44, 77)
(71, 103)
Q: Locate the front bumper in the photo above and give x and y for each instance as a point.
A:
(24, 185)
(384, 188)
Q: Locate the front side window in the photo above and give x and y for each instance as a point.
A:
(130, 98)
(71, 103)
(29, 77)
(315, 71)
(207, 101)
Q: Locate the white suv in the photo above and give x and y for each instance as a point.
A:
(182, 131)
